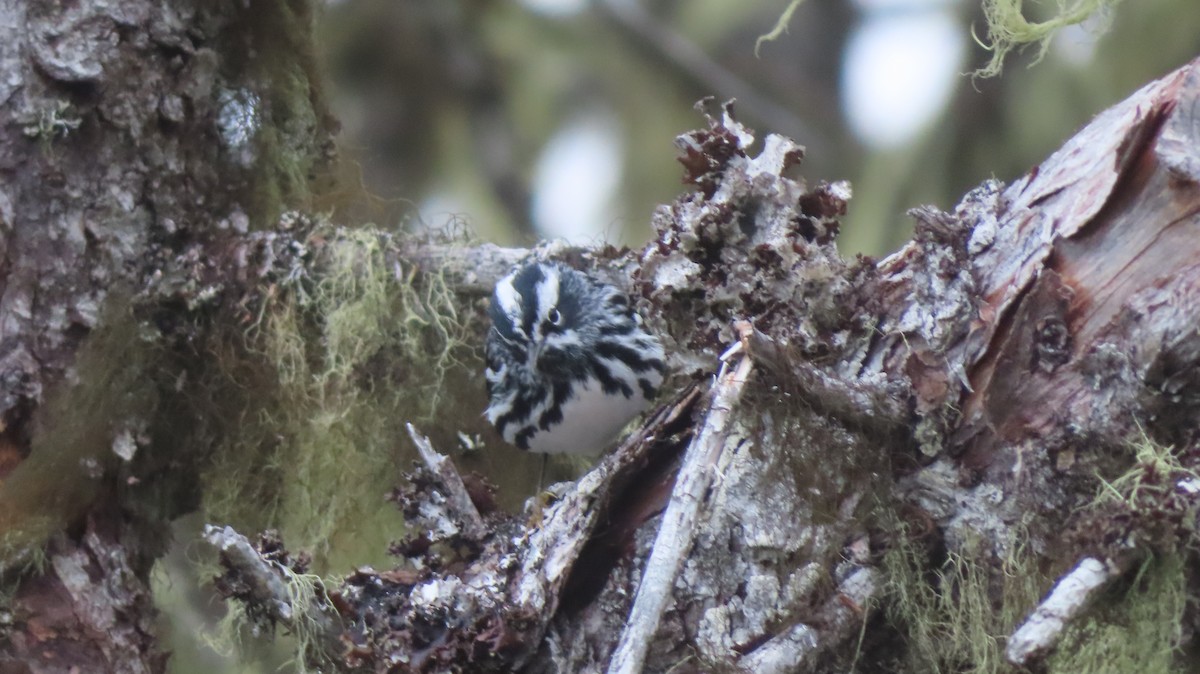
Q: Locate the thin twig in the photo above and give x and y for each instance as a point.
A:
(456, 492)
(677, 531)
(1074, 591)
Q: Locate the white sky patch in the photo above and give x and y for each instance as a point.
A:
(556, 7)
(441, 210)
(576, 179)
(238, 122)
(900, 69)
(1076, 45)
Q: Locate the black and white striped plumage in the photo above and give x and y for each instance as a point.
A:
(569, 363)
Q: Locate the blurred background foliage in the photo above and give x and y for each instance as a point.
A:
(555, 119)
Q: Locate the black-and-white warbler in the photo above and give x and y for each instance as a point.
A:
(569, 363)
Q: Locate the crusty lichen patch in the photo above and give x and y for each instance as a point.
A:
(777, 525)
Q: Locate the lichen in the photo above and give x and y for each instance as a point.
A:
(326, 378)
(751, 242)
(72, 435)
(1137, 629)
(780, 27)
(54, 122)
(1007, 28)
(1151, 505)
(956, 619)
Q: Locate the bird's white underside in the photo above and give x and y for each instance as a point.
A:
(591, 420)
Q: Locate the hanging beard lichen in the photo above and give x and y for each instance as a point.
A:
(319, 390)
(956, 620)
(1008, 28)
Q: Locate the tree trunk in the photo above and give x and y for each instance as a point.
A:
(134, 136)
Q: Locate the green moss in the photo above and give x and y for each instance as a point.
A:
(956, 619)
(1143, 506)
(1007, 27)
(111, 392)
(320, 390)
(270, 61)
(1139, 630)
(20, 559)
(1137, 625)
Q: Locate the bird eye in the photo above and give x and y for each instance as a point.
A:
(554, 317)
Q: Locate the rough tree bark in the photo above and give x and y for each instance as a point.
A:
(132, 133)
(893, 463)
(897, 458)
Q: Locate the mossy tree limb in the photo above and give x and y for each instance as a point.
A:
(1025, 342)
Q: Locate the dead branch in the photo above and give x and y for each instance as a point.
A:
(456, 492)
(1069, 598)
(675, 533)
(263, 584)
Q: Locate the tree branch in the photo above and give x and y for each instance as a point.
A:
(1070, 596)
(456, 492)
(675, 533)
(261, 585)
